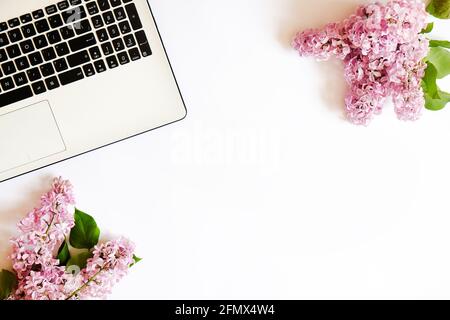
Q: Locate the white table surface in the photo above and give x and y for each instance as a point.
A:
(265, 191)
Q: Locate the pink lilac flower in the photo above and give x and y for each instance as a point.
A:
(362, 105)
(383, 52)
(47, 284)
(109, 264)
(39, 274)
(43, 230)
(409, 104)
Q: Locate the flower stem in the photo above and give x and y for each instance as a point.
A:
(51, 222)
(84, 285)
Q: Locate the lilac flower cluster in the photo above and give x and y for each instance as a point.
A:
(39, 274)
(109, 264)
(383, 51)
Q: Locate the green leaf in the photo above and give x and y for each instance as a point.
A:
(428, 28)
(439, 8)
(435, 104)
(444, 95)
(435, 99)
(85, 233)
(63, 254)
(440, 58)
(8, 283)
(79, 260)
(136, 260)
(440, 43)
(429, 84)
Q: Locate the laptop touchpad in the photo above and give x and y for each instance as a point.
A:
(27, 135)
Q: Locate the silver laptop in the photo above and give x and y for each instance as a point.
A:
(76, 75)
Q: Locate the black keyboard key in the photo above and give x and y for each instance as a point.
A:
(42, 26)
(51, 9)
(47, 69)
(26, 46)
(143, 43)
(112, 62)
(67, 32)
(40, 42)
(15, 35)
(103, 4)
(3, 56)
(75, 2)
(102, 35)
(62, 49)
(15, 96)
(73, 14)
(22, 63)
(52, 83)
(13, 22)
(33, 74)
(129, 41)
(115, 3)
(8, 68)
(79, 58)
(113, 31)
(54, 37)
(141, 38)
(124, 27)
(133, 16)
(108, 17)
(134, 54)
(71, 76)
(107, 49)
(28, 30)
(63, 5)
(145, 50)
(119, 13)
(83, 27)
(26, 18)
(99, 66)
(92, 8)
(3, 40)
(123, 58)
(55, 21)
(95, 53)
(60, 65)
(7, 84)
(3, 26)
(118, 44)
(82, 42)
(88, 70)
(39, 87)
(35, 58)
(49, 54)
(20, 79)
(13, 51)
(97, 21)
(38, 14)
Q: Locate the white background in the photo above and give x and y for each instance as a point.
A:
(265, 191)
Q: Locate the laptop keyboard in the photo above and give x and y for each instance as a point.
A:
(67, 42)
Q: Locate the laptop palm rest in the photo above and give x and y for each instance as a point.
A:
(28, 135)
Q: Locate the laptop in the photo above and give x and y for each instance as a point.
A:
(76, 75)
